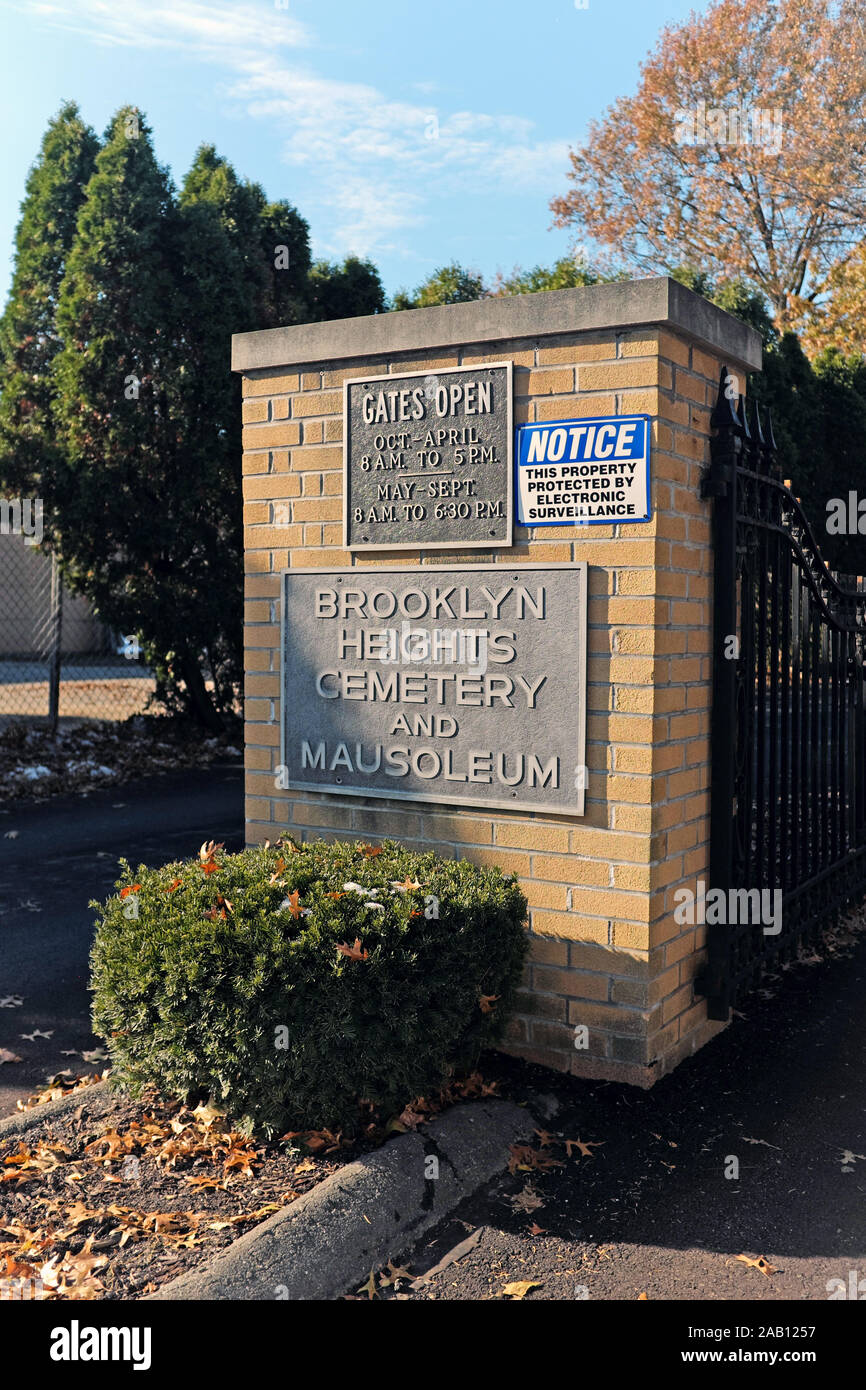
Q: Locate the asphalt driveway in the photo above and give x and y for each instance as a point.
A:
(755, 1147)
(55, 857)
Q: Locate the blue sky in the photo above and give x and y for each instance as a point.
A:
(415, 133)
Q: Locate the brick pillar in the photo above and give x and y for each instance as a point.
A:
(606, 949)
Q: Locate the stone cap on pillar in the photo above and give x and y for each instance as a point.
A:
(621, 305)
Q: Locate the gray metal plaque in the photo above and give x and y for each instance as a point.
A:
(427, 459)
(439, 683)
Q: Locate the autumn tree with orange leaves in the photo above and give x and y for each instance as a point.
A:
(840, 321)
(742, 152)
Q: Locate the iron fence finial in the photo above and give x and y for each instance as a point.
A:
(724, 415)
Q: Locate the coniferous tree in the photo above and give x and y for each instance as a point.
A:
(244, 266)
(118, 394)
(131, 503)
(29, 339)
(285, 243)
(344, 291)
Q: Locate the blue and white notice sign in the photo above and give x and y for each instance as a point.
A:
(583, 472)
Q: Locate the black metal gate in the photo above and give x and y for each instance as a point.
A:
(788, 799)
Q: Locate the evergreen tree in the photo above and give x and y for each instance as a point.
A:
(118, 398)
(245, 266)
(29, 339)
(344, 291)
(132, 505)
(270, 241)
(222, 277)
(285, 242)
(841, 427)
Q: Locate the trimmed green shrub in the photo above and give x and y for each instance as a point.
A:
(237, 975)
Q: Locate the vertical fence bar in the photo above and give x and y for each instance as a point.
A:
(838, 781)
(814, 861)
(721, 484)
(858, 753)
(785, 732)
(818, 787)
(797, 726)
(860, 736)
(848, 736)
(820, 739)
(825, 788)
(773, 733)
(746, 729)
(54, 656)
(761, 879)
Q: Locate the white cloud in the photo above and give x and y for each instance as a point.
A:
(367, 218)
(377, 154)
(208, 30)
(372, 166)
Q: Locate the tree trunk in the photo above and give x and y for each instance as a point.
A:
(201, 704)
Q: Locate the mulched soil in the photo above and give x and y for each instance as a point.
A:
(34, 766)
(112, 1206)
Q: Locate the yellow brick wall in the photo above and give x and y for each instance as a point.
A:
(606, 951)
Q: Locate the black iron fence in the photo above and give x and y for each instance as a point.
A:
(788, 799)
(58, 662)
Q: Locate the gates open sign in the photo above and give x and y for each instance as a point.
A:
(583, 472)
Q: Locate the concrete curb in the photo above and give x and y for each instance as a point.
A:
(96, 1099)
(326, 1243)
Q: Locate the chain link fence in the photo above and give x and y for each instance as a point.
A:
(58, 663)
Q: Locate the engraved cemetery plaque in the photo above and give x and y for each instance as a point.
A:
(437, 684)
(427, 459)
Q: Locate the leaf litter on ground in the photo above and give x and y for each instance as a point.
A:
(114, 1204)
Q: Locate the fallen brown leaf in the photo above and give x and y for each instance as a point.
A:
(585, 1148)
(758, 1263)
(527, 1201)
(520, 1288)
